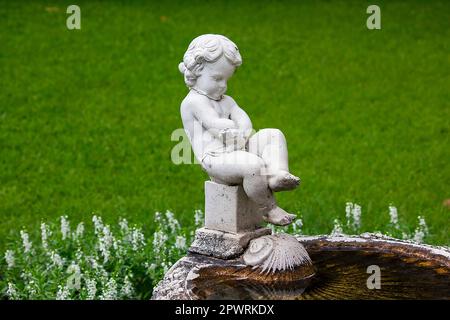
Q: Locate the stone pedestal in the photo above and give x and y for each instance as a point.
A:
(224, 245)
(228, 209)
(231, 221)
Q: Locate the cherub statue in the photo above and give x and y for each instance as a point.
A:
(221, 133)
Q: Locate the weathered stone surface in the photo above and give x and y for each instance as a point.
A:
(275, 253)
(414, 272)
(224, 245)
(180, 282)
(172, 287)
(228, 209)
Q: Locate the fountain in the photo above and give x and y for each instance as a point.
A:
(339, 271)
(234, 256)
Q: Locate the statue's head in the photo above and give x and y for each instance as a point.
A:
(209, 62)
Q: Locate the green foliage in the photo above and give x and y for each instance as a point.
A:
(118, 261)
(86, 115)
(101, 262)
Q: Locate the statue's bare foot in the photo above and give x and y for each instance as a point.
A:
(283, 181)
(279, 217)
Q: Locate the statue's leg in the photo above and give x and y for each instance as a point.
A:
(271, 146)
(244, 167)
(241, 167)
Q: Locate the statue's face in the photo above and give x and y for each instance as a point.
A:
(214, 76)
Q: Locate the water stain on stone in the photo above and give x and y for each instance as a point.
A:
(407, 272)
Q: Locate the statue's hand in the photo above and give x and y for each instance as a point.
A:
(234, 138)
(235, 133)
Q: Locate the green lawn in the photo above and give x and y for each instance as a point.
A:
(86, 116)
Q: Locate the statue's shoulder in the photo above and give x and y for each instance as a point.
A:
(229, 101)
(192, 101)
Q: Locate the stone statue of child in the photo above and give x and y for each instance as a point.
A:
(221, 132)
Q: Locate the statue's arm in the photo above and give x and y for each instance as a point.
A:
(242, 120)
(209, 118)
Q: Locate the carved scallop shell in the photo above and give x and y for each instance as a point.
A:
(258, 251)
(276, 252)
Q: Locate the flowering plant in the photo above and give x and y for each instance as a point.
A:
(103, 262)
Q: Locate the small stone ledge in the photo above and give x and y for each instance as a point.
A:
(224, 245)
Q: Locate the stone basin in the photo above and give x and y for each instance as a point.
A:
(407, 270)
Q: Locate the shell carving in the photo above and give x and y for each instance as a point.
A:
(278, 252)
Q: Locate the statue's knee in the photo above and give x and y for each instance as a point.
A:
(277, 133)
(256, 167)
(272, 132)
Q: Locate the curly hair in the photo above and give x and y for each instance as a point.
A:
(207, 48)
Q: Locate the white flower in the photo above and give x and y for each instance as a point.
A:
(180, 243)
(172, 222)
(98, 224)
(119, 248)
(337, 228)
(30, 288)
(348, 212)
(356, 216)
(79, 231)
(26, 276)
(44, 235)
(423, 224)
(106, 240)
(272, 228)
(418, 236)
(198, 216)
(109, 290)
(159, 240)
(26, 241)
(65, 227)
(91, 286)
(74, 280)
(94, 263)
(11, 292)
(353, 215)
(56, 259)
(10, 260)
(137, 239)
(165, 267)
(63, 293)
(421, 231)
(123, 223)
(100, 272)
(393, 214)
(297, 226)
(79, 255)
(151, 267)
(158, 217)
(127, 288)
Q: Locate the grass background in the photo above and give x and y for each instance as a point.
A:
(86, 116)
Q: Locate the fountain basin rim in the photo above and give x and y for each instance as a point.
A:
(379, 243)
